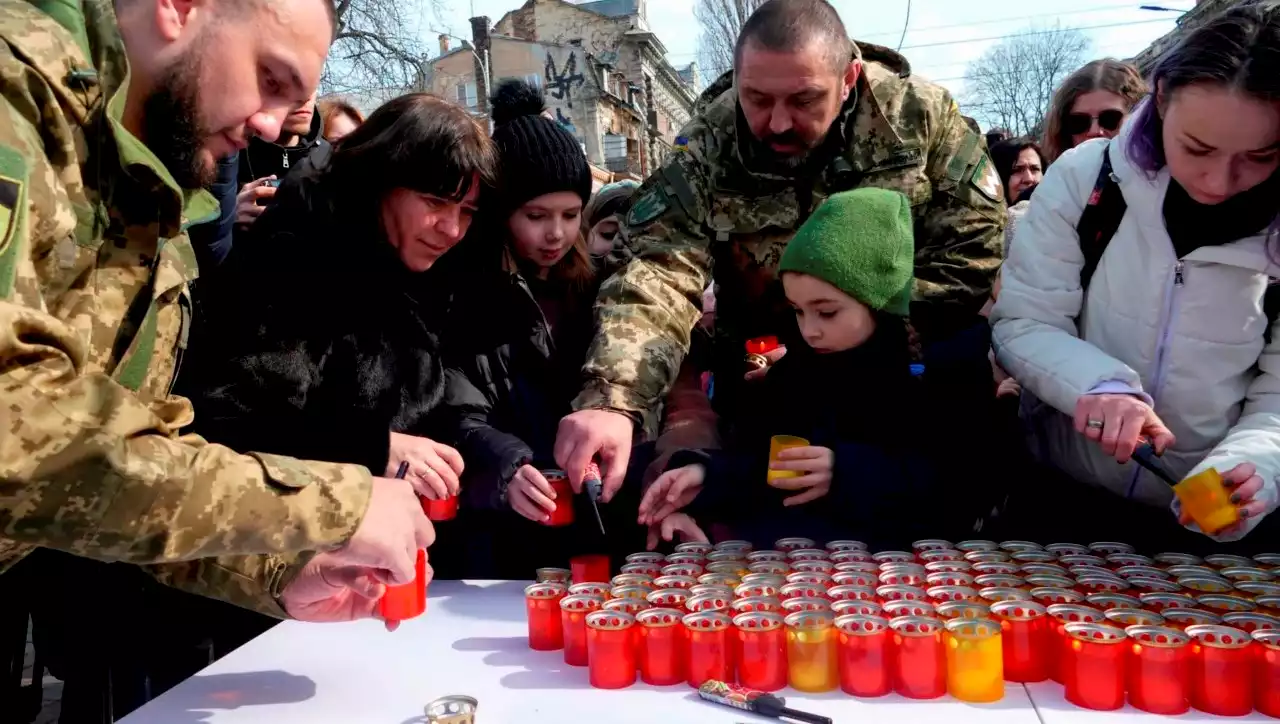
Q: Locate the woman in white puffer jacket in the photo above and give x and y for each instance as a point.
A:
(1167, 342)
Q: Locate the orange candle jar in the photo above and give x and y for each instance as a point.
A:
(574, 610)
(811, 651)
(762, 650)
(1157, 680)
(661, 646)
(918, 666)
(708, 655)
(542, 602)
(865, 655)
(611, 650)
(1063, 614)
(1266, 673)
(1206, 500)
(1221, 670)
(1094, 666)
(1025, 637)
(975, 660)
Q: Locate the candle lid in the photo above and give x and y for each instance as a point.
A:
(903, 567)
(1258, 589)
(930, 544)
(1083, 559)
(1097, 633)
(728, 568)
(1269, 602)
(693, 547)
(645, 557)
(894, 609)
(1107, 548)
(637, 592)
(1018, 610)
(668, 597)
(952, 593)
(849, 545)
(1044, 569)
(1246, 573)
(825, 567)
(995, 568)
(750, 590)
(1067, 549)
(1267, 559)
(1049, 595)
(769, 579)
(847, 606)
(1250, 621)
(915, 626)
(851, 593)
(553, 575)
(690, 570)
(997, 580)
(1124, 617)
(992, 594)
(708, 602)
(942, 554)
(949, 578)
(546, 590)
(810, 620)
(720, 579)
(793, 544)
(630, 606)
(1092, 571)
(901, 593)
(948, 566)
(1199, 571)
(756, 603)
(1177, 559)
(1023, 557)
(1267, 637)
(1219, 637)
(1047, 581)
(1130, 572)
(633, 579)
(729, 555)
(962, 609)
(452, 709)
(663, 582)
(758, 556)
(1014, 546)
(1190, 616)
(808, 603)
(733, 545)
(902, 578)
(976, 557)
(776, 567)
(1156, 585)
(1102, 583)
(703, 589)
(590, 588)
(842, 557)
(652, 570)
(1157, 636)
(1224, 560)
(758, 621)
(1108, 601)
(707, 621)
(893, 557)
(856, 624)
(815, 579)
(967, 546)
(659, 617)
(606, 620)
(1167, 600)
(972, 628)
(855, 578)
(581, 602)
(686, 558)
(1075, 613)
(859, 566)
(1225, 603)
(807, 554)
(1120, 560)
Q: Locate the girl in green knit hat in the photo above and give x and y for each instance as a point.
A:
(852, 390)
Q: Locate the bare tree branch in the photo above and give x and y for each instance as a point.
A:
(721, 21)
(1012, 84)
(378, 46)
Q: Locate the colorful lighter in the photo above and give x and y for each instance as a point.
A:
(756, 702)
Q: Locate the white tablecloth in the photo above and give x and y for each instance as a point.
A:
(473, 641)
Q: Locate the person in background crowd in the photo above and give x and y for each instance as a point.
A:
(264, 164)
(518, 332)
(1169, 339)
(847, 274)
(1091, 103)
(603, 217)
(337, 117)
(1021, 164)
(996, 135)
(804, 113)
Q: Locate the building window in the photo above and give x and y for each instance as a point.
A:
(466, 95)
(615, 145)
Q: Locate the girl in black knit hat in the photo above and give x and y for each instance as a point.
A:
(518, 338)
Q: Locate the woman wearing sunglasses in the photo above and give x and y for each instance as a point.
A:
(1091, 103)
(1168, 339)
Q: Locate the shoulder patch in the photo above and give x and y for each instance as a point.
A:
(986, 180)
(10, 195)
(648, 207)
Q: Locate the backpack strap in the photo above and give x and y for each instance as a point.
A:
(1100, 219)
(1271, 307)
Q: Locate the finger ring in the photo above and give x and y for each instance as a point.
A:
(1093, 424)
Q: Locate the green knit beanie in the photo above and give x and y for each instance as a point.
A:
(861, 242)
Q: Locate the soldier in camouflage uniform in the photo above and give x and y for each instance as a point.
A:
(94, 306)
(763, 150)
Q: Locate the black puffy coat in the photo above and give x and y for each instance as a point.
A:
(317, 342)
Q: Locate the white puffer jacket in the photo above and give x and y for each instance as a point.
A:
(1188, 333)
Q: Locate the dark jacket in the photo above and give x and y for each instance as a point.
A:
(318, 343)
(903, 442)
(212, 241)
(263, 158)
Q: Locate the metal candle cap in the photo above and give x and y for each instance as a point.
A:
(893, 557)
(847, 606)
(1025, 557)
(1184, 570)
(1267, 637)
(902, 578)
(995, 568)
(948, 567)
(685, 582)
(733, 545)
(1271, 560)
(644, 568)
(947, 578)
(1120, 560)
(691, 570)
(1250, 621)
(755, 604)
(758, 621)
(703, 589)
(802, 590)
(894, 609)
(793, 544)
(1079, 571)
(1177, 559)
(851, 593)
(645, 557)
(1015, 546)
(700, 548)
(606, 620)
(1163, 637)
(1067, 549)
(997, 556)
(1153, 585)
(758, 556)
(932, 544)
(668, 597)
(727, 556)
(1124, 617)
(940, 554)
(1247, 574)
(1219, 602)
(997, 580)
(1101, 584)
(813, 579)
(696, 559)
(810, 620)
(749, 590)
(590, 589)
(728, 568)
(997, 593)
(1018, 610)
(860, 625)
(1190, 617)
(1108, 601)
(807, 554)
(719, 579)
(765, 579)
(962, 609)
(1224, 560)
(942, 594)
(1219, 637)
(966, 546)
(637, 592)
(1107, 548)
(792, 605)
(855, 578)
(972, 628)
(633, 579)
(659, 617)
(1161, 601)
(777, 567)
(1050, 596)
(1046, 581)
(1271, 603)
(1205, 584)
(1258, 589)
(630, 606)
(553, 575)
(581, 602)
(839, 557)
(1075, 613)
(849, 545)
(708, 602)
(453, 709)
(1130, 572)
(859, 567)
(707, 621)
(915, 626)
(901, 593)
(826, 567)
(546, 590)
(1095, 633)
(1083, 559)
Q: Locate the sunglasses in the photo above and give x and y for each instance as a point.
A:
(1077, 123)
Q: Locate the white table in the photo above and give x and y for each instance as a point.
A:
(1053, 708)
(473, 641)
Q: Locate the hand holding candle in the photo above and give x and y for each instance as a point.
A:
(434, 468)
(532, 496)
(1245, 499)
(806, 469)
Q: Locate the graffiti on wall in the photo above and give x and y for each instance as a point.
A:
(560, 82)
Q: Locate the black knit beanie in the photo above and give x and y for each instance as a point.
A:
(536, 155)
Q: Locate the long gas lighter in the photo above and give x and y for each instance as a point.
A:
(756, 702)
(591, 482)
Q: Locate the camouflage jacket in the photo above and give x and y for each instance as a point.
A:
(716, 203)
(94, 309)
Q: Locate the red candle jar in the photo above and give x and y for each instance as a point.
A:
(918, 667)
(590, 568)
(805, 604)
(1184, 618)
(1024, 627)
(1125, 617)
(902, 577)
(1108, 601)
(644, 568)
(668, 598)
(403, 602)
(1063, 614)
(708, 647)
(762, 650)
(757, 590)
(563, 514)
(1266, 672)
(970, 546)
(542, 600)
(762, 345)
(1221, 670)
(866, 608)
(1108, 548)
(786, 545)
(701, 549)
(1250, 622)
(574, 610)
(1094, 666)
(1221, 604)
(962, 609)
(440, 510)
(756, 604)
(865, 655)
(762, 556)
(857, 545)
(611, 650)
(660, 646)
(708, 602)
(1158, 602)
(1049, 596)
(945, 594)
(894, 609)
(1158, 667)
(1017, 546)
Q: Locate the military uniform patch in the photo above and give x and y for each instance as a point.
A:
(647, 208)
(10, 194)
(986, 180)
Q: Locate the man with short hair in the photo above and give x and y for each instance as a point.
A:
(804, 114)
(263, 164)
(110, 121)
